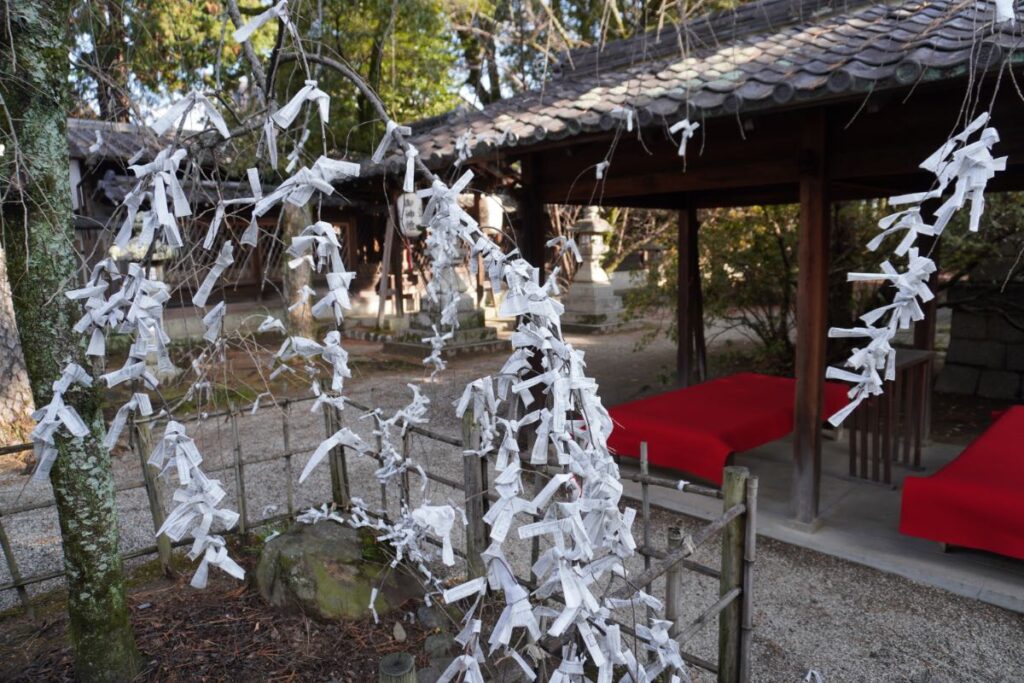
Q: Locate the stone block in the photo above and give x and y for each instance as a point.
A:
(969, 325)
(958, 379)
(985, 354)
(591, 308)
(1015, 357)
(999, 384)
(999, 329)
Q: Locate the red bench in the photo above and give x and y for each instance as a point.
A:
(696, 429)
(977, 500)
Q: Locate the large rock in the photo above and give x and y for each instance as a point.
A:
(328, 571)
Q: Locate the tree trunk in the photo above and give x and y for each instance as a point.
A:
(16, 405)
(373, 76)
(112, 81)
(42, 264)
(300, 319)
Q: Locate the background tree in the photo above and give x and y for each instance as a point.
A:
(37, 222)
(145, 49)
(511, 45)
(153, 48)
(748, 272)
(16, 404)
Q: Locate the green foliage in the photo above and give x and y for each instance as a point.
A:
(150, 49)
(511, 45)
(748, 265)
(748, 268)
(409, 62)
(159, 49)
(993, 255)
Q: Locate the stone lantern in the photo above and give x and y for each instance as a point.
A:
(473, 334)
(591, 304)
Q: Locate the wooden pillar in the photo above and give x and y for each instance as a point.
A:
(924, 335)
(924, 331)
(689, 302)
(811, 319)
(533, 221)
(699, 343)
(532, 236)
(384, 290)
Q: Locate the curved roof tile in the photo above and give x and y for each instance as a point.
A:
(765, 54)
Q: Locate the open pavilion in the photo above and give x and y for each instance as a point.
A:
(798, 101)
(809, 101)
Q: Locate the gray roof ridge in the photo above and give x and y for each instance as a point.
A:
(121, 126)
(704, 31)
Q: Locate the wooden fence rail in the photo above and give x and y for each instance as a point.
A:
(736, 524)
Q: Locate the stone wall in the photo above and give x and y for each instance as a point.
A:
(986, 352)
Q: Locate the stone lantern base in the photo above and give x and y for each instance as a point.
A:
(591, 308)
(473, 336)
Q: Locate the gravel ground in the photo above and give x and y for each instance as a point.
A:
(848, 622)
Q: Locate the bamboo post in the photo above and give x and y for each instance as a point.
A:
(243, 517)
(889, 427)
(476, 533)
(142, 441)
(734, 490)
(674, 584)
(646, 511)
(397, 667)
(747, 597)
(378, 446)
(286, 432)
(485, 485)
(536, 477)
(406, 450)
(12, 566)
(340, 493)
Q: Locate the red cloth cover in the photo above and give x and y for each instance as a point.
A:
(695, 429)
(976, 501)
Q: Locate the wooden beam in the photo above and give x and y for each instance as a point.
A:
(705, 199)
(811, 318)
(688, 316)
(732, 160)
(877, 150)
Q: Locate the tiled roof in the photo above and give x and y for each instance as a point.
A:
(768, 54)
(117, 141)
(207, 192)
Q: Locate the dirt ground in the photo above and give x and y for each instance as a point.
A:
(224, 633)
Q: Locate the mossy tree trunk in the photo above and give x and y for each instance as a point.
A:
(42, 264)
